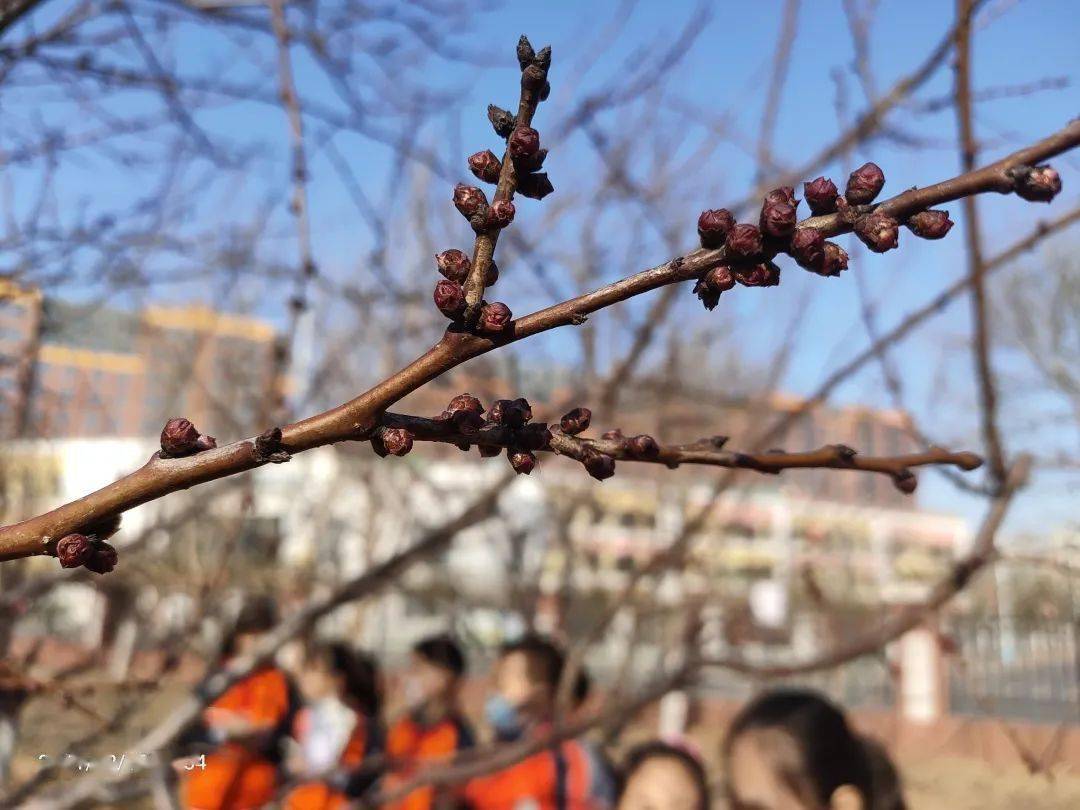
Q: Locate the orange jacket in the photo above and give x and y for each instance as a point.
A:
(236, 777)
(411, 744)
(319, 795)
(573, 777)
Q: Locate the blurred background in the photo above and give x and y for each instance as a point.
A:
(180, 237)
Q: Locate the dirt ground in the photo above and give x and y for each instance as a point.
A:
(939, 783)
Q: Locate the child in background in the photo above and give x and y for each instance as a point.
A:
(243, 726)
(794, 750)
(337, 730)
(567, 776)
(660, 776)
(433, 728)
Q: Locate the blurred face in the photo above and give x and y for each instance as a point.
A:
(428, 683)
(756, 780)
(245, 642)
(317, 682)
(517, 683)
(661, 783)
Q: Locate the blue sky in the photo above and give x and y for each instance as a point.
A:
(726, 68)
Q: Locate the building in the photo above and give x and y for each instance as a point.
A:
(82, 370)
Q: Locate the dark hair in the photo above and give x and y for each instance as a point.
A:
(257, 615)
(827, 753)
(546, 662)
(656, 749)
(358, 669)
(443, 652)
(887, 785)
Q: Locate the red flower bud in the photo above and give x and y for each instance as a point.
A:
(179, 438)
(643, 446)
(522, 461)
(535, 186)
(713, 227)
(494, 318)
(454, 264)
(576, 421)
(930, 224)
(465, 402)
(205, 443)
(711, 284)
(535, 436)
(501, 120)
(531, 163)
(820, 195)
(524, 143)
(485, 166)
(103, 560)
(778, 219)
(599, 465)
(489, 450)
(1037, 183)
(864, 184)
(469, 200)
(74, 550)
(878, 231)
(500, 214)
(766, 274)
(808, 247)
(743, 242)
(835, 262)
(396, 441)
(784, 194)
(450, 298)
(905, 481)
(510, 412)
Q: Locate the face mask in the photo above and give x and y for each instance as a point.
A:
(504, 718)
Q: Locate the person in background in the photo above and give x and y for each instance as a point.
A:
(433, 728)
(661, 776)
(242, 728)
(337, 731)
(570, 775)
(794, 750)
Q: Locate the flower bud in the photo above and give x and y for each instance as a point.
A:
(469, 200)
(864, 184)
(501, 120)
(491, 275)
(524, 143)
(643, 446)
(905, 481)
(576, 421)
(522, 461)
(103, 560)
(543, 58)
(713, 227)
(599, 466)
(396, 441)
(712, 283)
(74, 550)
(494, 318)
(808, 248)
(820, 195)
(179, 438)
(533, 77)
(489, 450)
(778, 219)
(743, 242)
(930, 224)
(545, 91)
(500, 214)
(835, 261)
(765, 274)
(467, 422)
(534, 436)
(454, 264)
(205, 443)
(511, 412)
(465, 402)
(485, 166)
(535, 186)
(450, 298)
(878, 231)
(525, 52)
(784, 194)
(1037, 183)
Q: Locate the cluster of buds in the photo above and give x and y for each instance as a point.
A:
(181, 438)
(86, 551)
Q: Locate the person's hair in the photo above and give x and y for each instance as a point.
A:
(546, 663)
(359, 671)
(442, 651)
(657, 749)
(824, 753)
(257, 615)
